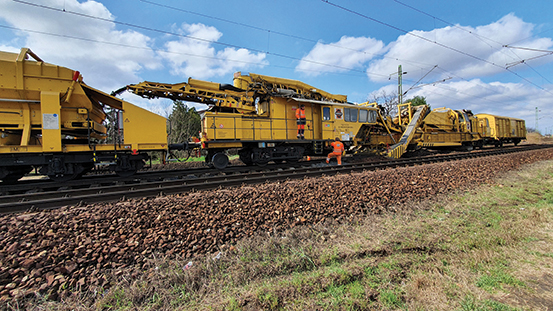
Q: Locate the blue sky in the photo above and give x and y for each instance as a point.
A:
(341, 46)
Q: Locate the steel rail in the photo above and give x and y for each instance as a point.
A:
(56, 199)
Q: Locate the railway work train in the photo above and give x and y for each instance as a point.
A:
(52, 121)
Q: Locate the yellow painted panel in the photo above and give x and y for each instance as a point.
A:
(225, 127)
(263, 130)
(278, 108)
(51, 133)
(111, 147)
(247, 129)
(213, 144)
(141, 126)
(20, 149)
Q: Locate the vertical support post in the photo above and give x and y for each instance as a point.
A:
(537, 119)
(26, 135)
(51, 121)
(399, 85)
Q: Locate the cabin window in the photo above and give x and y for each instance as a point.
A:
(363, 115)
(326, 113)
(372, 116)
(350, 114)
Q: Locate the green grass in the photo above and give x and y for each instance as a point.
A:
(496, 278)
(469, 303)
(439, 257)
(391, 299)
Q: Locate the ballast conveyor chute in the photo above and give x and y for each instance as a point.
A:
(397, 150)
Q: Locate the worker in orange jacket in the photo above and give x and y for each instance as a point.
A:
(301, 121)
(337, 150)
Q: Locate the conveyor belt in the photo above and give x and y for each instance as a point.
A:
(397, 150)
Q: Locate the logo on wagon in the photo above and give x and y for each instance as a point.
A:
(338, 113)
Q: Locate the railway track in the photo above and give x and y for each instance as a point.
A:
(150, 184)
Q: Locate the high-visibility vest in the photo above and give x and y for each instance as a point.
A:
(338, 147)
(300, 113)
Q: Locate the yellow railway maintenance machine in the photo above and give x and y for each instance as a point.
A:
(51, 120)
(446, 128)
(257, 115)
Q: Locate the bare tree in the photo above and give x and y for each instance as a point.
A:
(387, 102)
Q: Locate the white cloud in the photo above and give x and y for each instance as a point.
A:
(7, 48)
(103, 66)
(507, 99)
(483, 42)
(189, 57)
(346, 54)
(161, 106)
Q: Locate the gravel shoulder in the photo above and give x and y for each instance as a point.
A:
(55, 254)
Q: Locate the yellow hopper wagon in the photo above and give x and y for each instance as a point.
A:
(497, 130)
(52, 121)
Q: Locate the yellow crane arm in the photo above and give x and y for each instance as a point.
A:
(241, 96)
(197, 91)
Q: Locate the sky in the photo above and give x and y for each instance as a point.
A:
(493, 56)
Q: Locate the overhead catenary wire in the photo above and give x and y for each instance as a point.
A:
(450, 24)
(215, 42)
(165, 32)
(160, 50)
(480, 37)
(525, 61)
(426, 74)
(433, 42)
(272, 31)
(333, 45)
(474, 34)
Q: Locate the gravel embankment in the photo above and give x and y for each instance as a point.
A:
(77, 247)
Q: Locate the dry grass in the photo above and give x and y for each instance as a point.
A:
(537, 138)
(489, 248)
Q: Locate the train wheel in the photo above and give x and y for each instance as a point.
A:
(246, 156)
(296, 160)
(262, 157)
(220, 160)
(127, 168)
(63, 177)
(76, 171)
(125, 173)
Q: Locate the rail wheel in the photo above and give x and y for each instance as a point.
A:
(126, 173)
(246, 156)
(261, 157)
(72, 171)
(127, 168)
(220, 160)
